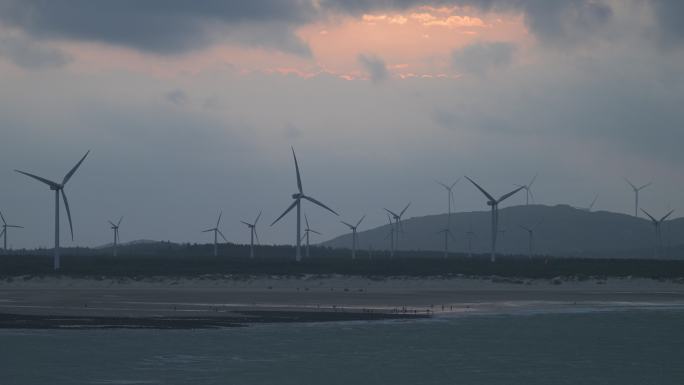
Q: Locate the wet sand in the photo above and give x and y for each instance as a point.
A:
(234, 301)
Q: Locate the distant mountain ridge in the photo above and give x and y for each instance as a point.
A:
(563, 231)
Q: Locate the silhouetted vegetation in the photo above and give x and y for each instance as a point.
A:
(195, 260)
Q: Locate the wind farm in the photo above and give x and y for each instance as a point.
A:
(254, 192)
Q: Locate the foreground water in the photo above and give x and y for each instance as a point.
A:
(627, 347)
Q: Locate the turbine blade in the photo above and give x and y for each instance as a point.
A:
(630, 183)
(391, 212)
(503, 197)
(221, 234)
(532, 181)
(3, 232)
(66, 205)
(286, 211)
(454, 184)
(360, 220)
(46, 181)
(208, 230)
(256, 235)
(21, 227)
(257, 218)
(219, 219)
(594, 201)
(3, 218)
(404, 210)
(246, 224)
(348, 225)
(666, 215)
(73, 170)
(112, 223)
(119, 222)
(644, 186)
(320, 204)
(442, 184)
(529, 190)
(299, 178)
(315, 232)
(306, 220)
(491, 198)
(649, 215)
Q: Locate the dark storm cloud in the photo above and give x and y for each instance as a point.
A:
(479, 58)
(159, 26)
(375, 66)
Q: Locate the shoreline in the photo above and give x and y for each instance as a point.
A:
(201, 302)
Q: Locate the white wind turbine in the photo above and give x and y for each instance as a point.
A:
(636, 194)
(450, 197)
(252, 234)
(57, 188)
(115, 227)
(494, 204)
(447, 233)
(530, 233)
(658, 233)
(470, 234)
(308, 230)
(397, 222)
(3, 234)
(528, 189)
(390, 235)
(353, 229)
(297, 202)
(217, 232)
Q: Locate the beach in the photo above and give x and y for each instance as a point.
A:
(211, 301)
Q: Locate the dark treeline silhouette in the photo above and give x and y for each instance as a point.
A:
(189, 260)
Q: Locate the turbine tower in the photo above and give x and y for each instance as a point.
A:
(308, 230)
(447, 234)
(3, 234)
(217, 232)
(528, 189)
(494, 204)
(658, 233)
(353, 229)
(115, 227)
(530, 233)
(390, 235)
(397, 222)
(57, 188)
(297, 202)
(636, 194)
(252, 234)
(470, 234)
(450, 198)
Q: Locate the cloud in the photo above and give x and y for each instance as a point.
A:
(177, 97)
(375, 66)
(670, 29)
(161, 26)
(31, 55)
(480, 58)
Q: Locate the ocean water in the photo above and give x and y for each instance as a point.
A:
(619, 347)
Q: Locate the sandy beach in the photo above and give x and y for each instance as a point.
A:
(229, 301)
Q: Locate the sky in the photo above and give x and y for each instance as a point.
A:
(190, 108)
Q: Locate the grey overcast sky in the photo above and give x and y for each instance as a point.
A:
(190, 108)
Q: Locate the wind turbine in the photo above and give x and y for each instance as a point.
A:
(658, 233)
(353, 229)
(308, 230)
(530, 233)
(450, 197)
(5, 226)
(636, 194)
(494, 203)
(528, 189)
(397, 221)
(57, 188)
(115, 227)
(252, 234)
(217, 232)
(297, 202)
(470, 234)
(447, 234)
(390, 235)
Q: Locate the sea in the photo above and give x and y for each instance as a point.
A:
(594, 347)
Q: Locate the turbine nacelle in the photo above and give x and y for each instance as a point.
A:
(297, 196)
